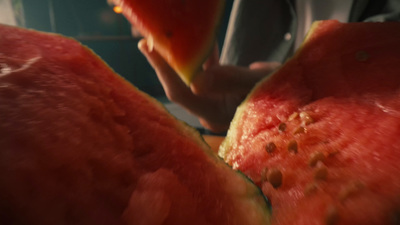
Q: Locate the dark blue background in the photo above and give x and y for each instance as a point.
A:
(94, 23)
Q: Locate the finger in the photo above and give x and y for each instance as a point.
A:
(225, 79)
(267, 67)
(229, 79)
(213, 59)
(175, 89)
(208, 110)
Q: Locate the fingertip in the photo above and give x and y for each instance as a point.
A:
(270, 66)
(152, 56)
(275, 65)
(142, 45)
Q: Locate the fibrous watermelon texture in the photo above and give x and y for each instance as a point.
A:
(182, 31)
(321, 135)
(80, 145)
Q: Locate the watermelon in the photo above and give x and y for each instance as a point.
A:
(183, 32)
(321, 135)
(80, 145)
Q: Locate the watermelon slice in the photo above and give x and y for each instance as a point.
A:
(80, 145)
(321, 135)
(183, 32)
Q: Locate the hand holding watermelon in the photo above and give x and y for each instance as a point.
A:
(179, 51)
(215, 92)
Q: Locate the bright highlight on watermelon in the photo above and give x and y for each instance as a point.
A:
(80, 145)
(182, 31)
(321, 135)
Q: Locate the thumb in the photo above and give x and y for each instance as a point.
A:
(227, 79)
(172, 84)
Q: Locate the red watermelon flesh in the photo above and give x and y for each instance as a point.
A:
(182, 31)
(80, 145)
(321, 135)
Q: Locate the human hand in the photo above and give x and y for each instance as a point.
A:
(215, 92)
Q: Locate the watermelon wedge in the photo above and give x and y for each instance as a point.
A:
(183, 32)
(321, 135)
(80, 145)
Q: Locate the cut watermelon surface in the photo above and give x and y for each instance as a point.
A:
(321, 135)
(182, 31)
(80, 145)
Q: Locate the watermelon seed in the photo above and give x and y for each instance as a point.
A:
(282, 127)
(321, 171)
(274, 177)
(362, 56)
(351, 189)
(331, 215)
(168, 34)
(300, 130)
(293, 116)
(306, 118)
(333, 153)
(315, 158)
(292, 146)
(310, 188)
(270, 147)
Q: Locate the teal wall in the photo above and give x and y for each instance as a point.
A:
(94, 23)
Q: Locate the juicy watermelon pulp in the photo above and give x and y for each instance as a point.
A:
(182, 31)
(321, 135)
(80, 145)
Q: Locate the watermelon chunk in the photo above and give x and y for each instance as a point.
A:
(183, 32)
(321, 135)
(80, 145)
